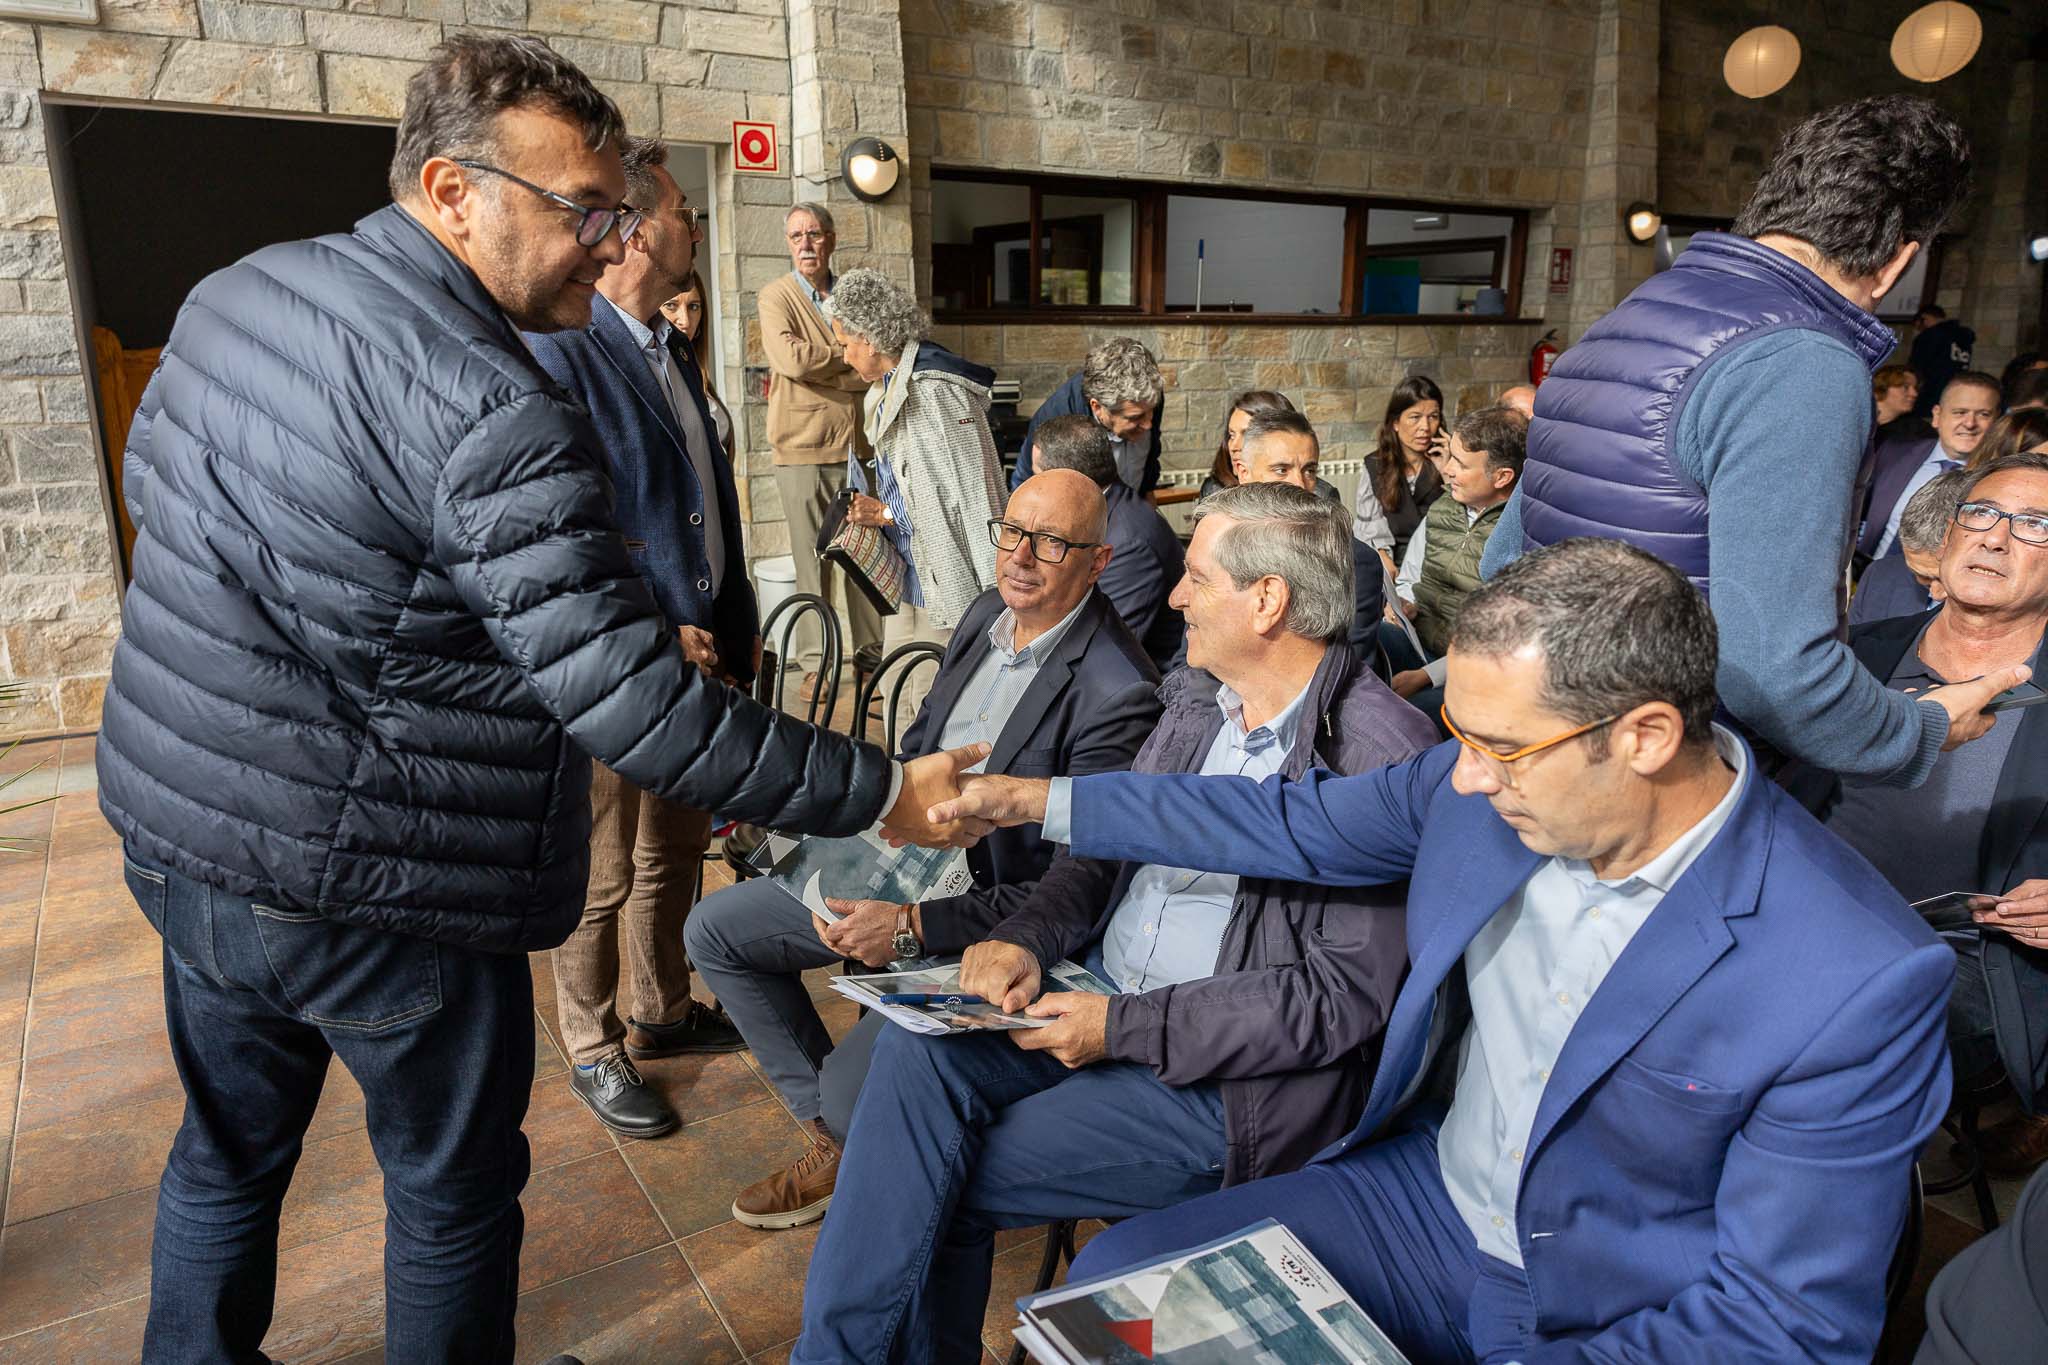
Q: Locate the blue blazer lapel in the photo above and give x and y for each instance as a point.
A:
(1442, 922)
(1684, 936)
(615, 344)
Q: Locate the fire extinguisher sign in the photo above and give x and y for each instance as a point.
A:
(1560, 270)
(753, 148)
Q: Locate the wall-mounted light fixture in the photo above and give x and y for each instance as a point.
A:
(1761, 61)
(1642, 220)
(871, 168)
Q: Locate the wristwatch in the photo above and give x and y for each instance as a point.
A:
(905, 943)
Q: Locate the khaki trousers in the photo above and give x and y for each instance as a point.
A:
(807, 492)
(644, 858)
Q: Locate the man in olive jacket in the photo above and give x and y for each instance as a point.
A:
(380, 621)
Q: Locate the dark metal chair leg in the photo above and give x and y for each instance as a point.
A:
(1059, 1241)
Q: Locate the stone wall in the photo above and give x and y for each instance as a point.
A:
(683, 71)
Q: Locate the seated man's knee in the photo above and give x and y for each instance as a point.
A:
(706, 933)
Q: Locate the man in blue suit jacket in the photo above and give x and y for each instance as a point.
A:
(679, 512)
(1690, 1043)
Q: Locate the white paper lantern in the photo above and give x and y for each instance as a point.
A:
(1761, 61)
(1936, 41)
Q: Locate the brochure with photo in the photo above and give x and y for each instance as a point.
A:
(1255, 1295)
(953, 1016)
(860, 867)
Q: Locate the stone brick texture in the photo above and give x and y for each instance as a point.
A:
(1568, 108)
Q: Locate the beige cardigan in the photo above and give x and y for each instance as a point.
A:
(814, 399)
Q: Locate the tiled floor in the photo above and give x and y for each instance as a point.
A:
(630, 1253)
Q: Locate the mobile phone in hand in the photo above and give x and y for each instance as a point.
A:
(2016, 698)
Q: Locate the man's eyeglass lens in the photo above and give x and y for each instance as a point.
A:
(592, 225)
(1046, 548)
(2032, 527)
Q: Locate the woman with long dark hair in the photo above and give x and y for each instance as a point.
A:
(1399, 480)
(685, 313)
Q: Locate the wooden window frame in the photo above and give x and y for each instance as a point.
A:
(1148, 257)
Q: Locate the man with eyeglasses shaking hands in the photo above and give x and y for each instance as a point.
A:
(381, 620)
(1666, 1051)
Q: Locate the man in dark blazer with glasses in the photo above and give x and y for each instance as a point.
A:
(676, 504)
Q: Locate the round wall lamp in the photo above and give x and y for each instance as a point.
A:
(1936, 41)
(1760, 62)
(1642, 220)
(871, 168)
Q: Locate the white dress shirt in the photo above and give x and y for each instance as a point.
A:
(1531, 971)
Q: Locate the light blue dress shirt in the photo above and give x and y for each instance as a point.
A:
(890, 494)
(1938, 461)
(816, 296)
(1531, 972)
(1168, 928)
(999, 681)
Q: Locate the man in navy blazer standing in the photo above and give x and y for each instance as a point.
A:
(679, 512)
(1667, 1049)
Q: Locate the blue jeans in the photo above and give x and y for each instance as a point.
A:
(1379, 1220)
(956, 1137)
(256, 999)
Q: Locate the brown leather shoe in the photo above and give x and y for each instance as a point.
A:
(797, 1195)
(2013, 1149)
(809, 689)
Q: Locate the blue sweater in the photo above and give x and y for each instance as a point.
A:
(1779, 462)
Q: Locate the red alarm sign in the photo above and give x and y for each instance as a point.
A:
(753, 148)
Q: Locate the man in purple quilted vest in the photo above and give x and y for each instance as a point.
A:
(1720, 418)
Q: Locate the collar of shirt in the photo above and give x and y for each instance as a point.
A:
(1941, 455)
(1279, 729)
(1663, 871)
(646, 338)
(811, 292)
(1002, 635)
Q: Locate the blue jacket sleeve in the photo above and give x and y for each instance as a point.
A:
(1344, 831)
(1775, 434)
(1504, 546)
(1830, 1146)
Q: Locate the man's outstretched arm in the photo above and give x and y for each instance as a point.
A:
(1352, 831)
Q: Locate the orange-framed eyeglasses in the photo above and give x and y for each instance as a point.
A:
(1527, 750)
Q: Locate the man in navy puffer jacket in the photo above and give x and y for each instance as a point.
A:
(1720, 419)
(380, 620)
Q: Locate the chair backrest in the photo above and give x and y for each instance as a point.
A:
(1898, 1277)
(788, 614)
(900, 663)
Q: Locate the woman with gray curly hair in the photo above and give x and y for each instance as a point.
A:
(938, 482)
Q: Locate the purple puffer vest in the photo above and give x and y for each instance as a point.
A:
(1601, 457)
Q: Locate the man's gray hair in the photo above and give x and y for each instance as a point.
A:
(1121, 371)
(817, 211)
(1617, 627)
(1287, 533)
(873, 307)
(1924, 523)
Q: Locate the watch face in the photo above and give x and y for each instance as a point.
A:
(906, 945)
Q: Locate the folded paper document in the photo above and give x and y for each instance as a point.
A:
(951, 1016)
(1255, 1295)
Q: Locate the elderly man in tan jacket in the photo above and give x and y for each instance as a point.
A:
(814, 416)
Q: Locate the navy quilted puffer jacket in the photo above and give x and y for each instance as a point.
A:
(381, 613)
(1601, 461)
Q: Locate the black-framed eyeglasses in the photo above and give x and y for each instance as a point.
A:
(1046, 547)
(592, 225)
(2031, 527)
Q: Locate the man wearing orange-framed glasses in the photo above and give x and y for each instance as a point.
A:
(1667, 1049)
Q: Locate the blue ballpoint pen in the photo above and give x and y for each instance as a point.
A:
(916, 998)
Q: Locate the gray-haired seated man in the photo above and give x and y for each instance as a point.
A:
(1903, 584)
(1042, 668)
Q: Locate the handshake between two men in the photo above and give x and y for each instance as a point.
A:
(941, 804)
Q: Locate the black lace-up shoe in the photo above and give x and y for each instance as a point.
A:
(621, 1100)
(701, 1029)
